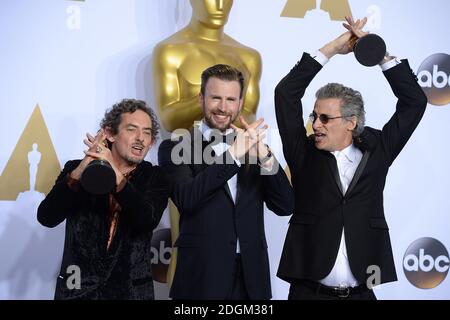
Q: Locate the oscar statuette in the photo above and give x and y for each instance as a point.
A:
(369, 50)
(99, 177)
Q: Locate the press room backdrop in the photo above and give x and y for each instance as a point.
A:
(62, 63)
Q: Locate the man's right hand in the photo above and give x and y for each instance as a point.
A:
(92, 143)
(344, 43)
(248, 138)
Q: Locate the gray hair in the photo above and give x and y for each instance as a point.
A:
(352, 103)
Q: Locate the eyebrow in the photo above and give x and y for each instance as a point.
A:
(321, 114)
(135, 126)
(220, 97)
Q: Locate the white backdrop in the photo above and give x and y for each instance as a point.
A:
(77, 58)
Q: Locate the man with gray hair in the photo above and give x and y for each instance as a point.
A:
(337, 245)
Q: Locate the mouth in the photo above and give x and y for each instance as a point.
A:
(220, 118)
(319, 137)
(137, 149)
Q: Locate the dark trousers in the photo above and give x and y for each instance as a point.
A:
(310, 290)
(238, 290)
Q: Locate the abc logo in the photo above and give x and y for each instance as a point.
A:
(434, 78)
(426, 263)
(161, 251)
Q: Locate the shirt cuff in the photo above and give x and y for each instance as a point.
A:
(236, 160)
(268, 165)
(320, 57)
(390, 64)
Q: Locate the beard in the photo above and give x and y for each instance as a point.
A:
(132, 160)
(219, 125)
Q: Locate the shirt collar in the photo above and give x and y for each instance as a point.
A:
(349, 152)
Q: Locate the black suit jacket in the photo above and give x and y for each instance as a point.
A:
(124, 270)
(210, 222)
(321, 210)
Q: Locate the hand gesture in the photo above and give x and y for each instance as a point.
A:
(247, 139)
(259, 149)
(344, 43)
(96, 150)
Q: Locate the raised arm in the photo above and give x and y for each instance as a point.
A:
(63, 200)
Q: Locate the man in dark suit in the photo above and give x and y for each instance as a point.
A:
(338, 245)
(108, 237)
(220, 194)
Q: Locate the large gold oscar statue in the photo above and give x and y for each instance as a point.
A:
(178, 62)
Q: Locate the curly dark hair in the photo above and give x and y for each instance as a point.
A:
(113, 115)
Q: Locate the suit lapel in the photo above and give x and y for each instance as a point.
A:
(332, 165)
(198, 145)
(196, 140)
(365, 143)
(239, 184)
(334, 171)
(359, 171)
(228, 192)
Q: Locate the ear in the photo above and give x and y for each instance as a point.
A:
(201, 99)
(109, 135)
(351, 123)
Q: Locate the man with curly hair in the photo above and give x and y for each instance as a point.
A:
(108, 237)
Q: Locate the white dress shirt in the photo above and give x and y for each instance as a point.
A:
(347, 160)
(219, 149)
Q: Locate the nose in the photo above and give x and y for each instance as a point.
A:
(139, 136)
(316, 123)
(222, 105)
(219, 5)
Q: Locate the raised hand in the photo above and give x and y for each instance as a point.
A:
(96, 150)
(344, 43)
(259, 149)
(97, 147)
(248, 138)
(99, 150)
(355, 27)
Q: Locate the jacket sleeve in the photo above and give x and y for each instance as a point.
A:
(143, 208)
(61, 201)
(191, 190)
(278, 192)
(410, 108)
(288, 108)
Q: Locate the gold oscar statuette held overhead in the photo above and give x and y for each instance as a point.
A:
(178, 62)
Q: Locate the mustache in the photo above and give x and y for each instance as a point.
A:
(137, 145)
